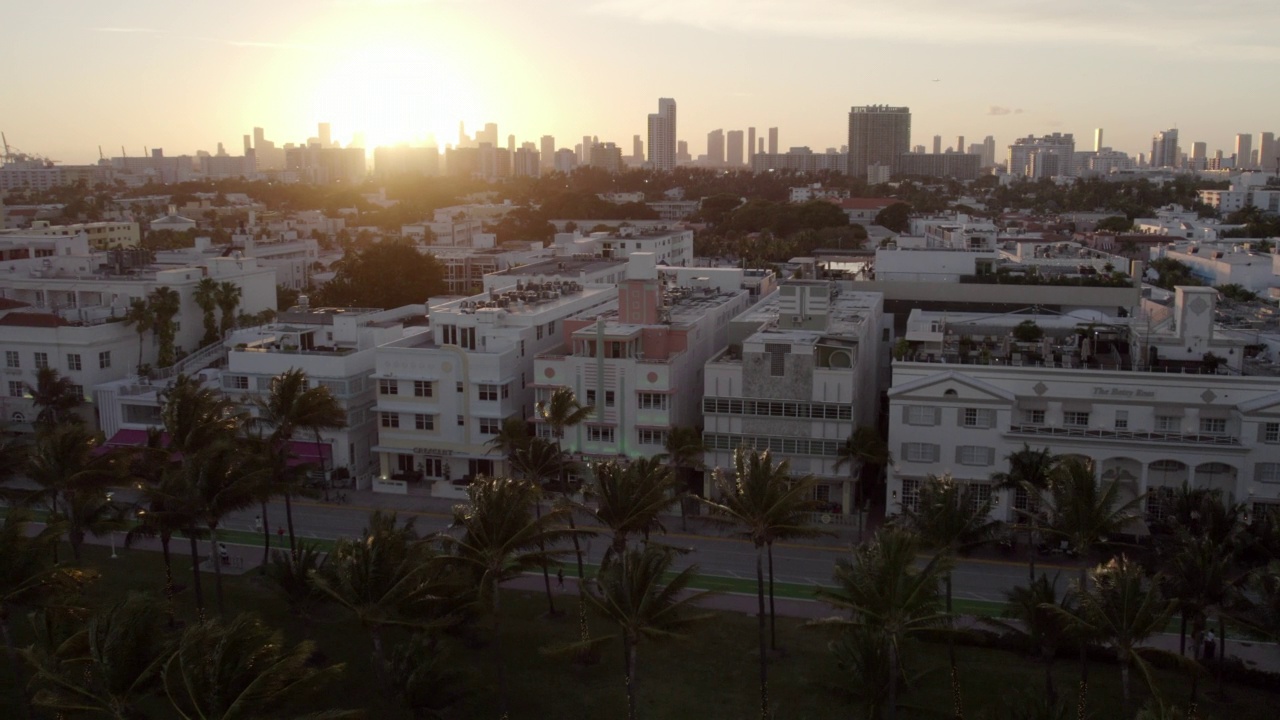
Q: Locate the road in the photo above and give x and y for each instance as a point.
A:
(803, 563)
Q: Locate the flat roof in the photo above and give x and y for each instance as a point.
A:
(564, 266)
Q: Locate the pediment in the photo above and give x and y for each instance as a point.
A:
(964, 387)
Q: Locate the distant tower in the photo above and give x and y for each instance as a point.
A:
(325, 137)
(247, 144)
(760, 150)
(1097, 139)
(1164, 149)
(715, 147)
(937, 144)
(1244, 150)
(584, 157)
(463, 140)
(989, 151)
(548, 151)
(511, 143)
(733, 150)
(662, 136)
(773, 141)
(1267, 151)
(960, 144)
(751, 144)
(637, 148)
(878, 135)
(682, 151)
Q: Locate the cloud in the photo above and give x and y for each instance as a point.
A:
(127, 30)
(1018, 111)
(998, 110)
(270, 45)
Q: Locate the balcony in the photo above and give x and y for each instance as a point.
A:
(1125, 435)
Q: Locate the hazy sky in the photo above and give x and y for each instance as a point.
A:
(186, 75)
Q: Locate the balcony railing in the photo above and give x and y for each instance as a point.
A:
(1125, 435)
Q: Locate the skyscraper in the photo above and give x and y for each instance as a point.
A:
(989, 152)
(1097, 139)
(637, 148)
(1267, 151)
(960, 144)
(1164, 149)
(937, 144)
(662, 136)
(1199, 156)
(326, 139)
(548, 151)
(733, 151)
(715, 147)
(773, 141)
(751, 144)
(878, 135)
(682, 152)
(1244, 150)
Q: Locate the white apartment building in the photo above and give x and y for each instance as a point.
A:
(292, 260)
(444, 392)
(799, 376)
(1226, 264)
(66, 311)
(670, 246)
(631, 359)
(583, 269)
(465, 268)
(101, 235)
(1137, 398)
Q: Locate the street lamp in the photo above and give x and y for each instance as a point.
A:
(112, 533)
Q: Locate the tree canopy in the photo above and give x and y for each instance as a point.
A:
(384, 275)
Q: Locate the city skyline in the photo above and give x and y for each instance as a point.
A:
(186, 78)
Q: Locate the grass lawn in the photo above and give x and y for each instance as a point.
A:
(710, 676)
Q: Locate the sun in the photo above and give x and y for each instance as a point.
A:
(394, 94)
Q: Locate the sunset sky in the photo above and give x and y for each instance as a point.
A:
(186, 75)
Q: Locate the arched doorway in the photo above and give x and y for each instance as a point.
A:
(1164, 477)
(1218, 476)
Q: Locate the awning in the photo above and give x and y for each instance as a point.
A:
(1220, 413)
(133, 438)
(1033, 404)
(301, 452)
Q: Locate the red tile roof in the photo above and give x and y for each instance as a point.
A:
(10, 303)
(32, 319)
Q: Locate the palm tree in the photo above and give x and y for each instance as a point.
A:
(57, 397)
(863, 450)
(385, 578)
(293, 577)
(244, 669)
(1029, 473)
(228, 299)
(501, 540)
(165, 303)
(1123, 610)
(560, 412)
(72, 482)
(206, 296)
(884, 590)
(860, 654)
(216, 482)
(106, 667)
(291, 406)
(951, 518)
(683, 448)
(512, 437)
(1042, 630)
(766, 504)
(634, 596)
(539, 462)
(630, 498)
(141, 318)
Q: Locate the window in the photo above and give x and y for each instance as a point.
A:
(462, 421)
(975, 455)
(1168, 423)
(506, 390)
(1213, 426)
(77, 390)
(1159, 501)
(239, 382)
(591, 398)
(910, 494)
(608, 398)
(1271, 432)
(42, 360)
(16, 388)
(777, 358)
(653, 437)
(73, 361)
(1075, 419)
(539, 333)
(551, 327)
(1033, 417)
(488, 392)
(458, 387)
(658, 401)
(980, 496)
(433, 467)
(423, 388)
(1122, 419)
(11, 359)
(1024, 501)
(390, 420)
(388, 387)
(921, 415)
(424, 422)
(920, 452)
(1266, 472)
(822, 493)
(490, 426)
(598, 433)
(976, 417)
(104, 360)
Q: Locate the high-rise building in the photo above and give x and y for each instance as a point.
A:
(488, 135)
(715, 147)
(937, 144)
(584, 154)
(773, 141)
(326, 139)
(1244, 150)
(989, 152)
(1164, 149)
(1267, 151)
(547, 156)
(960, 144)
(751, 144)
(1199, 157)
(1097, 139)
(662, 136)
(682, 152)
(637, 148)
(733, 151)
(565, 160)
(878, 135)
(1047, 156)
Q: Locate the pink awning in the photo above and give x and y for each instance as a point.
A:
(301, 451)
(133, 438)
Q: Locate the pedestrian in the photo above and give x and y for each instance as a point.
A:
(257, 523)
(1210, 646)
(560, 577)
(224, 553)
